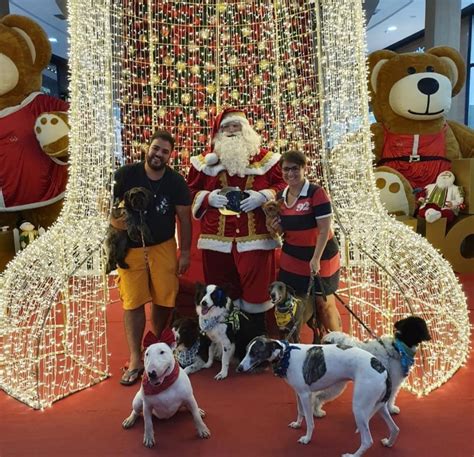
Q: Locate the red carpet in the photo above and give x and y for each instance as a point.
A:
(247, 416)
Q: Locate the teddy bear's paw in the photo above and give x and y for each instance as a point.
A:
(394, 191)
(52, 131)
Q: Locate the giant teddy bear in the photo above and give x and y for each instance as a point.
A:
(33, 133)
(414, 142)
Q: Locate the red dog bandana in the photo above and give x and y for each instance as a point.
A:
(150, 389)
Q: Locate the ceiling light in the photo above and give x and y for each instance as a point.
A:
(392, 28)
(53, 40)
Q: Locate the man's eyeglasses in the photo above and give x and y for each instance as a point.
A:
(288, 169)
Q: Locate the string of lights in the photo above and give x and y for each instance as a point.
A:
(53, 339)
(298, 69)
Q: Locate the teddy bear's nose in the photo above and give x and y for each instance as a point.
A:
(428, 86)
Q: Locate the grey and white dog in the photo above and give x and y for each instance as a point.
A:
(397, 354)
(308, 368)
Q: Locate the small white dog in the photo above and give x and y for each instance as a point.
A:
(395, 352)
(308, 368)
(165, 388)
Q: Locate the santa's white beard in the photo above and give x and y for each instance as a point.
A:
(235, 151)
(445, 180)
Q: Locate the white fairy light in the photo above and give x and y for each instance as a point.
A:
(298, 69)
(53, 338)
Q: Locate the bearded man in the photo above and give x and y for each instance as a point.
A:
(442, 199)
(229, 186)
(153, 265)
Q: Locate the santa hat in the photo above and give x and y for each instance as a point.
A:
(224, 117)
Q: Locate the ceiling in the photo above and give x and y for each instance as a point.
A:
(407, 16)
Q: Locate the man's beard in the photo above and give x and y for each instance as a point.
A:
(235, 152)
(149, 161)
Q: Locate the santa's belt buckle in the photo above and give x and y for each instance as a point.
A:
(414, 159)
(234, 198)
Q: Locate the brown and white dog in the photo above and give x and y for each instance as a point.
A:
(291, 312)
(165, 389)
(396, 353)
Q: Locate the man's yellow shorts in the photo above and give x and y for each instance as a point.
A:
(160, 286)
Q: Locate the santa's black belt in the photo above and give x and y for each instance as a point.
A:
(411, 159)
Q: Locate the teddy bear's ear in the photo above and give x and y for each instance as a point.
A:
(34, 36)
(456, 65)
(376, 60)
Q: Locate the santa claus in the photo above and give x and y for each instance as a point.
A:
(442, 199)
(229, 186)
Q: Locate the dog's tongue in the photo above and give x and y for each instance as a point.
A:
(204, 310)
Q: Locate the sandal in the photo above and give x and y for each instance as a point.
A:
(130, 377)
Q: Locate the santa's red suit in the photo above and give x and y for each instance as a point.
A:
(29, 178)
(238, 251)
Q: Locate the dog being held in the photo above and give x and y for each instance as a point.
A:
(272, 211)
(308, 368)
(395, 352)
(165, 389)
(135, 204)
(220, 321)
(192, 346)
(290, 312)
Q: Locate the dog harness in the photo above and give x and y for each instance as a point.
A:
(407, 355)
(280, 367)
(150, 389)
(186, 356)
(283, 318)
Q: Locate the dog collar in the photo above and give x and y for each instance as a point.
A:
(187, 357)
(207, 324)
(150, 389)
(407, 355)
(233, 319)
(284, 317)
(280, 367)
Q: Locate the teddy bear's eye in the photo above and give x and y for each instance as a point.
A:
(429, 68)
(411, 70)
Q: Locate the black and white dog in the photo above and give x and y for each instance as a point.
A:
(192, 346)
(395, 352)
(135, 204)
(220, 321)
(308, 368)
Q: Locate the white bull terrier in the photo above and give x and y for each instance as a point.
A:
(165, 388)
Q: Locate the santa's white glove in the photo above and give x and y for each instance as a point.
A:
(216, 199)
(255, 200)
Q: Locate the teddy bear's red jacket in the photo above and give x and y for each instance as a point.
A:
(28, 177)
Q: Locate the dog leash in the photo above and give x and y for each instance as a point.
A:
(317, 327)
(145, 248)
(356, 317)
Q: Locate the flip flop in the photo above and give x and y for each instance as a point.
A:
(130, 377)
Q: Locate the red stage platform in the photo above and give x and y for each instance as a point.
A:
(247, 416)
